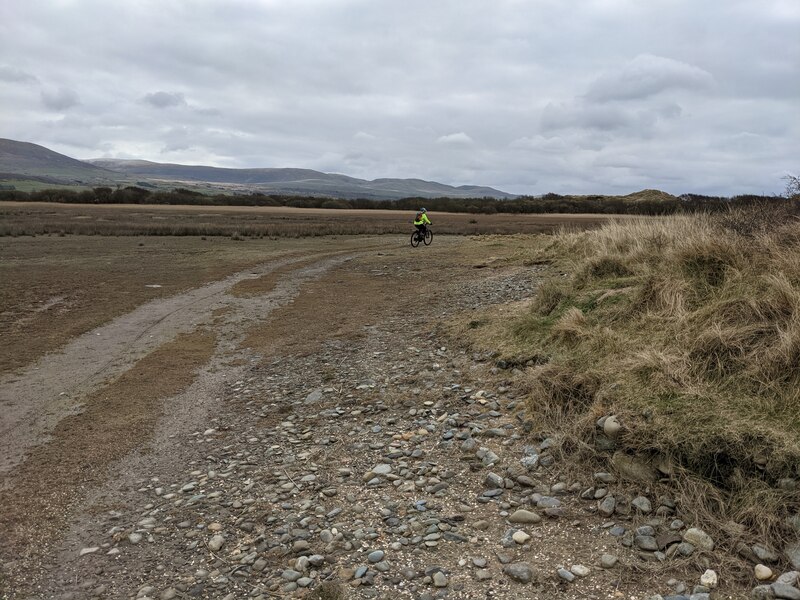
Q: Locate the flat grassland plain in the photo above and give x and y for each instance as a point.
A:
(192, 415)
(25, 218)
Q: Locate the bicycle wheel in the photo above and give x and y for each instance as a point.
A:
(415, 239)
(428, 237)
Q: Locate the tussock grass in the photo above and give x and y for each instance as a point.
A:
(687, 328)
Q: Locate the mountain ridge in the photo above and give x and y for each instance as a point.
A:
(304, 180)
(22, 160)
(27, 159)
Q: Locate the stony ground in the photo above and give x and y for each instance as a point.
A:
(385, 462)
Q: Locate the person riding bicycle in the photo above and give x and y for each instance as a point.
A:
(421, 220)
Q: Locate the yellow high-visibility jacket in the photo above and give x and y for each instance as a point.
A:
(422, 220)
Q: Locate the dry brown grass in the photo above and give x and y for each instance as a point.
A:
(31, 218)
(56, 288)
(688, 328)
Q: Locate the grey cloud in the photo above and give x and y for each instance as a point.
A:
(164, 99)
(208, 112)
(59, 99)
(455, 139)
(648, 75)
(13, 75)
(602, 117)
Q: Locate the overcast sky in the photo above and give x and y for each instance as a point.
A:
(580, 96)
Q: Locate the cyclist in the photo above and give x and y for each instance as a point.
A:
(421, 221)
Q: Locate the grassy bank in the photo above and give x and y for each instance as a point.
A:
(688, 329)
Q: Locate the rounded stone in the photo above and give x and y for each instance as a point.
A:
(709, 579)
(520, 572)
(642, 504)
(216, 542)
(524, 516)
(520, 537)
(699, 539)
(579, 570)
(566, 575)
(607, 561)
(611, 426)
(646, 542)
(785, 591)
(439, 579)
(763, 572)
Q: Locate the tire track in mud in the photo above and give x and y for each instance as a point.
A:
(36, 400)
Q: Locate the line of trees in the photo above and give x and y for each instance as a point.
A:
(549, 203)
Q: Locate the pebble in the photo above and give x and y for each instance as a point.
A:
(763, 572)
(382, 469)
(566, 575)
(762, 592)
(642, 504)
(764, 554)
(709, 579)
(607, 561)
(525, 517)
(611, 426)
(520, 572)
(493, 480)
(607, 506)
(646, 542)
(291, 575)
(520, 537)
(487, 457)
(698, 538)
(790, 578)
(216, 542)
(785, 591)
(579, 570)
(376, 556)
(439, 579)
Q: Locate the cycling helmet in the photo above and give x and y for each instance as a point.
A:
(423, 210)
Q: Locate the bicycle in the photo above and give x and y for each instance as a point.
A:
(417, 237)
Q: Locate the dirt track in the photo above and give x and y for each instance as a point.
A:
(300, 424)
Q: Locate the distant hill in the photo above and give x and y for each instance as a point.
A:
(23, 160)
(650, 196)
(294, 181)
